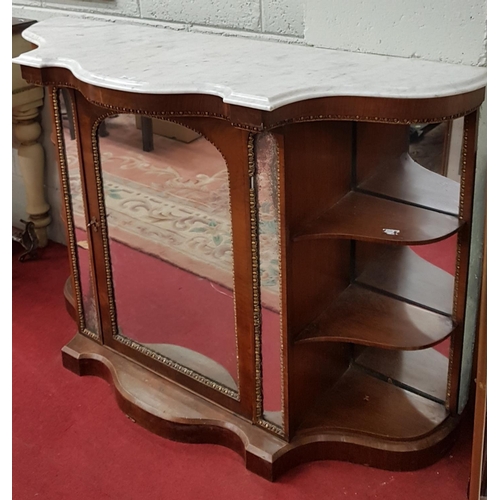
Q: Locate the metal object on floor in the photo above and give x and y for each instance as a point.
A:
(28, 240)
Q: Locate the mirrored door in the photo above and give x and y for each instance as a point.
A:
(168, 218)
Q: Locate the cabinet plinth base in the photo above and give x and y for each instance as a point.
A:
(175, 413)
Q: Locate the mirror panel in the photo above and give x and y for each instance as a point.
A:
(85, 294)
(268, 203)
(169, 226)
(437, 147)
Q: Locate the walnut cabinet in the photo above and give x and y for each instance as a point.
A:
(278, 297)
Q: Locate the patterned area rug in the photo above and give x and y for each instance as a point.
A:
(173, 203)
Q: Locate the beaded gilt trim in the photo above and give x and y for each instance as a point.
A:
(176, 366)
(372, 119)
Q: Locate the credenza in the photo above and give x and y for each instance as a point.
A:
(270, 286)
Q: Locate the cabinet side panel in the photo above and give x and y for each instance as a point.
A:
(318, 273)
(318, 159)
(317, 174)
(378, 145)
(314, 368)
(317, 167)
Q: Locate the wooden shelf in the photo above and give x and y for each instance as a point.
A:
(422, 372)
(361, 403)
(399, 271)
(409, 182)
(363, 217)
(365, 317)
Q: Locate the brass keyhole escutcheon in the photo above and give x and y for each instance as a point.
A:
(94, 224)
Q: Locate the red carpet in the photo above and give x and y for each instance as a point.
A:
(70, 440)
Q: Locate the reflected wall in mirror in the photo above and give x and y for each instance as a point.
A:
(168, 216)
(268, 201)
(72, 184)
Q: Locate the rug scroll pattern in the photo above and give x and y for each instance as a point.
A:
(172, 203)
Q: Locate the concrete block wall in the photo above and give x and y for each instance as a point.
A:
(449, 30)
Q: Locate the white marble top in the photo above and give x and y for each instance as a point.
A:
(252, 73)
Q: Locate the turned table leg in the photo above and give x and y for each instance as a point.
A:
(27, 131)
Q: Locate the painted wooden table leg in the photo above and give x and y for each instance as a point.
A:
(27, 131)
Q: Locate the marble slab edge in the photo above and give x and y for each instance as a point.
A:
(337, 73)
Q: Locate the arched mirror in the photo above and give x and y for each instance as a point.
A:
(168, 216)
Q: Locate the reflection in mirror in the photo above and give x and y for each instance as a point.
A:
(437, 147)
(267, 180)
(169, 225)
(423, 372)
(75, 199)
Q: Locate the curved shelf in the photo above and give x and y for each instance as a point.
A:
(365, 317)
(409, 182)
(400, 272)
(368, 406)
(363, 217)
